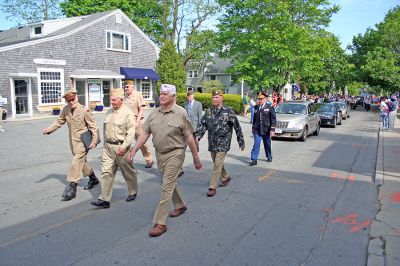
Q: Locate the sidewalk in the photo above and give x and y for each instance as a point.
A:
(384, 246)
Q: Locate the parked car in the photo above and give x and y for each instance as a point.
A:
(345, 109)
(296, 120)
(330, 114)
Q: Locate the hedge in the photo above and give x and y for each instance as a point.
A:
(233, 101)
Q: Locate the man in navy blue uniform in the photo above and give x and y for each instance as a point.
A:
(263, 128)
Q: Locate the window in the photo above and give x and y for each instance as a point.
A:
(118, 41)
(38, 30)
(193, 74)
(145, 89)
(51, 83)
(213, 77)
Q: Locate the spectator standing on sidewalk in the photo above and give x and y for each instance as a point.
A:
(220, 122)
(171, 131)
(384, 112)
(79, 120)
(245, 101)
(134, 101)
(393, 111)
(119, 129)
(1, 113)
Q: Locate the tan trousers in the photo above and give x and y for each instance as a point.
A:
(145, 148)
(219, 171)
(110, 162)
(169, 164)
(79, 165)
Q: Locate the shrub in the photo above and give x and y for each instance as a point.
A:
(233, 101)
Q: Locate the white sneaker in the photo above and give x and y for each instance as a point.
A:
(2, 130)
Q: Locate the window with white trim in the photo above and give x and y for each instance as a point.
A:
(145, 89)
(51, 82)
(193, 73)
(118, 41)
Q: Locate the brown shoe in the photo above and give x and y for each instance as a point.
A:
(224, 183)
(149, 165)
(177, 212)
(211, 192)
(158, 230)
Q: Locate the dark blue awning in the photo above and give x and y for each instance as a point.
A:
(139, 73)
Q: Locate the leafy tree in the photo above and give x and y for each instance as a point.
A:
(29, 11)
(145, 14)
(209, 86)
(170, 67)
(272, 42)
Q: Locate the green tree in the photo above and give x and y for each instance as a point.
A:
(145, 14)
(209, 86)
(29, 11)
(170, 67)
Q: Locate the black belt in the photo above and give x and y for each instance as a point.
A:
(114, 142)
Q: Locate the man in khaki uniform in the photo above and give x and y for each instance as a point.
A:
(79, 120)
(119, 129)
(171, 131)
(136, 103)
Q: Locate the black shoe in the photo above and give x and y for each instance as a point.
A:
(92, 182)
(101, 203)
(253, 162)
(131, 197)
(181, 173)
(269, 160)
(71, 192)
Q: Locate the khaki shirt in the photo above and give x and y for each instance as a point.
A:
(134, 102)
(80, 121)
(169, 128)
(119, 126)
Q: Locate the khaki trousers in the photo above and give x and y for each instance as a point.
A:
(110, 162)
(145, 148)
(169, 164)
(219, 171)
(79, 165)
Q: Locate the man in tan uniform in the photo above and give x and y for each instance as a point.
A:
(79, 120)
(171, 131)
(119, 129)
(136, 103)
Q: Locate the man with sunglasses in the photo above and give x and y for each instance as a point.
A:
(79, 120)
(134, 101)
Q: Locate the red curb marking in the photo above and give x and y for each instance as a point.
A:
(360, 226)
(395, 197)
(349, 219)
(335, 175)
(352, 178)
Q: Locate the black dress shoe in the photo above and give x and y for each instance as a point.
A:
(181, 173)
(92, 182)
(101, 203)
(131, 197)
(269, 160)
(253, 162)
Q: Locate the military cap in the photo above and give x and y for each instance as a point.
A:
(129, 82)
(117, 92)
(217, 92)
(69, 93)
(168, 88)
(262, 95)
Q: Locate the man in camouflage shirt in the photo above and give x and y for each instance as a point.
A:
(219, 121)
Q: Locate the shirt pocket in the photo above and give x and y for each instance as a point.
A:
(173, 129)
(119, 127)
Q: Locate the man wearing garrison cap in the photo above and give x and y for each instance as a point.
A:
(171, 131)
(220, 122)
(119, 129)
(79, 120)
(134, 101)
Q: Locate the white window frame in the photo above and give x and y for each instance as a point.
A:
(146, 81)
(193, 73)
(61, 71)
(126, 40)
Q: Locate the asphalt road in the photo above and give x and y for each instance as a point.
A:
(311, 206)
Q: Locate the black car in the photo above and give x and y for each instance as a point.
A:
(330, 114)
(360, 100)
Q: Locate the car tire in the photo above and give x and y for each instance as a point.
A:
(348, 115)
(316, 132)
(304, 136)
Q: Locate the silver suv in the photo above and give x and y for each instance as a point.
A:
(297, 120)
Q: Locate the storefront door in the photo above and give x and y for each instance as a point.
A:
(106, 93)
(80, 88)
(21, 96)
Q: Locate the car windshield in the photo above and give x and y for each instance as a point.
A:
(289, 108)
(342, 105)
(326, 108)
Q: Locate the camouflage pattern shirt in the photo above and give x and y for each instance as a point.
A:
(219, 123)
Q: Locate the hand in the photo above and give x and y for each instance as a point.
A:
(197, 139)
(131, 155)
(198, 165)
(45, 131)
(120, 152)
(92, 146)
(272, 133)
(241, 148)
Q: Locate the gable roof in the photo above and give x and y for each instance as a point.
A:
(17, 38)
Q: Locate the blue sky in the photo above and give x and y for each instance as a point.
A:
(354, 17)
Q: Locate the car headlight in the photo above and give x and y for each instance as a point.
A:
(297, 125)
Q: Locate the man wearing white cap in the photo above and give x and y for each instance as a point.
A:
(171, 131)
(79, 120)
